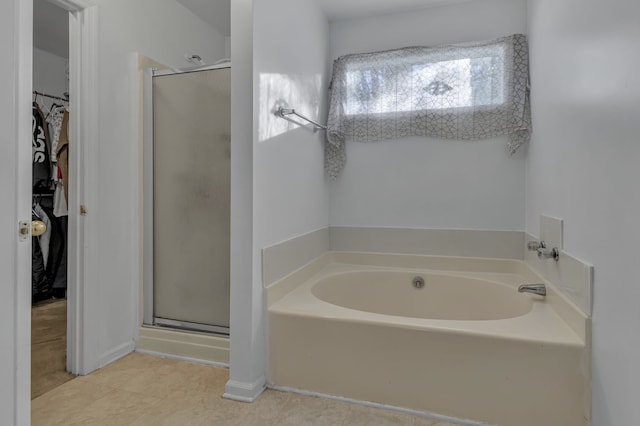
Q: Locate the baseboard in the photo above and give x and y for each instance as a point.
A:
(195, 347)
(243, 391)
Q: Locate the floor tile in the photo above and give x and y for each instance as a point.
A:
(118, 407)
(361, 415)
(65, 402)
(312, 411)
(142, 390)
(421, 421)
(48, 346)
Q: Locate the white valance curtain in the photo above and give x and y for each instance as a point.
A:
(465, 91)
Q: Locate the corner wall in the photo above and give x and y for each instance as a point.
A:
(429, 183)
(582, 166)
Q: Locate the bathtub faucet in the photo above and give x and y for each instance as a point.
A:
(538, 289)
(543, 251)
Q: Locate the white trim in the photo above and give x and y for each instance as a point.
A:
(183, 358)
(188, 326)
(147, 194)
(134, 237)
(424, 414)
(244, 392)
(82, 345)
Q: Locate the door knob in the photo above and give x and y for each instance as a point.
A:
(38, 228)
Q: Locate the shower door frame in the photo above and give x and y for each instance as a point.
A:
(148, 315)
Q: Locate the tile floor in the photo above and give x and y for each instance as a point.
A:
(48, 346)
(145, 390)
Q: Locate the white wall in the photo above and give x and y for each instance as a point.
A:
(582, 166)
(163, 30)
(428, 183)
(290, 68)
(290, 195)
(49, 74)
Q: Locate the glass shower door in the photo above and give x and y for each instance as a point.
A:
(191, 199)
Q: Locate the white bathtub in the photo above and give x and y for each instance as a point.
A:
(466, 345)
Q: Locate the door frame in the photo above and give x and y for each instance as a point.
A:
(148, 318)
(82, 345)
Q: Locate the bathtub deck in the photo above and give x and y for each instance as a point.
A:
(541, 325)
(488, 371)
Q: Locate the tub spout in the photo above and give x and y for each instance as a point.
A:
(538, 289)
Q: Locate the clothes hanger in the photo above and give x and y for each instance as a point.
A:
(54, 106)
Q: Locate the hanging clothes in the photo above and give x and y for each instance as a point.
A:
(41, 160)
(44, 239)
(57, 246)
(55, 119)
(62, 154)
(59, 202)
(59, 285)
(38, 272)
(49, 255)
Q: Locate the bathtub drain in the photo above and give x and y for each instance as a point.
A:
(418, 282)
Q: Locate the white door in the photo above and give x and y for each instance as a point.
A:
(15, 204)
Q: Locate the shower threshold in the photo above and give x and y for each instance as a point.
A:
(191, 326)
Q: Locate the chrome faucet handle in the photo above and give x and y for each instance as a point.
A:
(536, 245)
(544, 253)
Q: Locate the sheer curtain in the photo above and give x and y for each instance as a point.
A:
(465, 91)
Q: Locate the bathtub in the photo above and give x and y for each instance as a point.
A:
(462, 343)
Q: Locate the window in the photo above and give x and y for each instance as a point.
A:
(469, 91)
(436, 84)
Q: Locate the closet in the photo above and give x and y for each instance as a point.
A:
(51, 145)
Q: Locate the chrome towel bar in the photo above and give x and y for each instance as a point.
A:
(284, 112)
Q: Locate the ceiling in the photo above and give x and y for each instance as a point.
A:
(50, 28)
(216, 13)
(347, 9)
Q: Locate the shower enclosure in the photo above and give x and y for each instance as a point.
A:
(187, 198)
